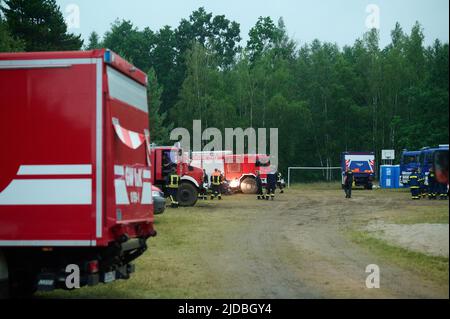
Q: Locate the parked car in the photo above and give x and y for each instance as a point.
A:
(159, 201)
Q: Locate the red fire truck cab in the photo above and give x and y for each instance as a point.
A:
(75, 181)
(164, 158)
(239, 170)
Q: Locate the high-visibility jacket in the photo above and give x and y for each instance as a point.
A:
(216, 179)
(279, 177)
(414, 181)
(431, 179)
(174, 181)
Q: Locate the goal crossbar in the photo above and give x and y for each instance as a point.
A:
(309, 169)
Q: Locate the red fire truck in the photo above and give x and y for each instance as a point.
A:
(239, 170)
(75, 181)
(166, 157)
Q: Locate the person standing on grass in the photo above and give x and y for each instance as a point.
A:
(414, 185)
(216, 183)
(172, 185)
(280, 182)
(203, 194)
(443, 191)
(348, 182)
(259, 186)
(271, 185)
(432, 183)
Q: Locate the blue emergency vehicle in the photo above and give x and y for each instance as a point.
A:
(409, 162)
(363, 166)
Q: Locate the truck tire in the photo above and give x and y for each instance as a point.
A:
(369, 186)
(187, 195)
(248, 185)
(4, 278)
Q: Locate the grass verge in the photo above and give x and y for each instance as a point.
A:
(421, 215)
(431, 267)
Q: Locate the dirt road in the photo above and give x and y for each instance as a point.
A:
(294, 247)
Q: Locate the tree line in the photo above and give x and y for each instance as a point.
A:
(323, 98)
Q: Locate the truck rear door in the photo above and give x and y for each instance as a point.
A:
(129, 195)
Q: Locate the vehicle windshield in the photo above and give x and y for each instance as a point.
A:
(409, 159)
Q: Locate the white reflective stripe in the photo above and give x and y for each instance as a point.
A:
(131, 139)
(48, 243)
(147, 198)
(119, 171)
(121, 192)
(360, 157)
(136, 142)
(146, 174)
(9, 64)
(99, 149)
(48, 192)
(119, 132)
(55, 66)
(55, 170)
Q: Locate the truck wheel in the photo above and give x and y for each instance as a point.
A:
(369, 187)
(248, 186)
(4, 278)
(187, 195)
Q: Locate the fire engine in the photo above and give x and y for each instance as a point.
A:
(75, 182)
(239, 170)
(191, 181)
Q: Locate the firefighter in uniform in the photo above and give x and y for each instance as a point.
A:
(443, 191)
(216, 185)
(271, 186)
(279, 182)
(167, 164)
(423, 187)
(348, 182)
(203, 191)
(172, 185)
(259, 186)
(414, 185)
(222, 183)
(432, 183)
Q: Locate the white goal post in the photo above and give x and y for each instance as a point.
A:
(327, 169)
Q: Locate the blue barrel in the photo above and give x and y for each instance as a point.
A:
(390, 176)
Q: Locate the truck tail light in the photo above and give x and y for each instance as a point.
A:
(93, 267)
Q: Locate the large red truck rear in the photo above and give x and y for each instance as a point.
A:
(75, 173)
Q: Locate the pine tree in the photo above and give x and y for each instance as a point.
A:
(40, 24)
(94, 41)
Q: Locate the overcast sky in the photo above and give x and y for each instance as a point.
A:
(340, 21)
